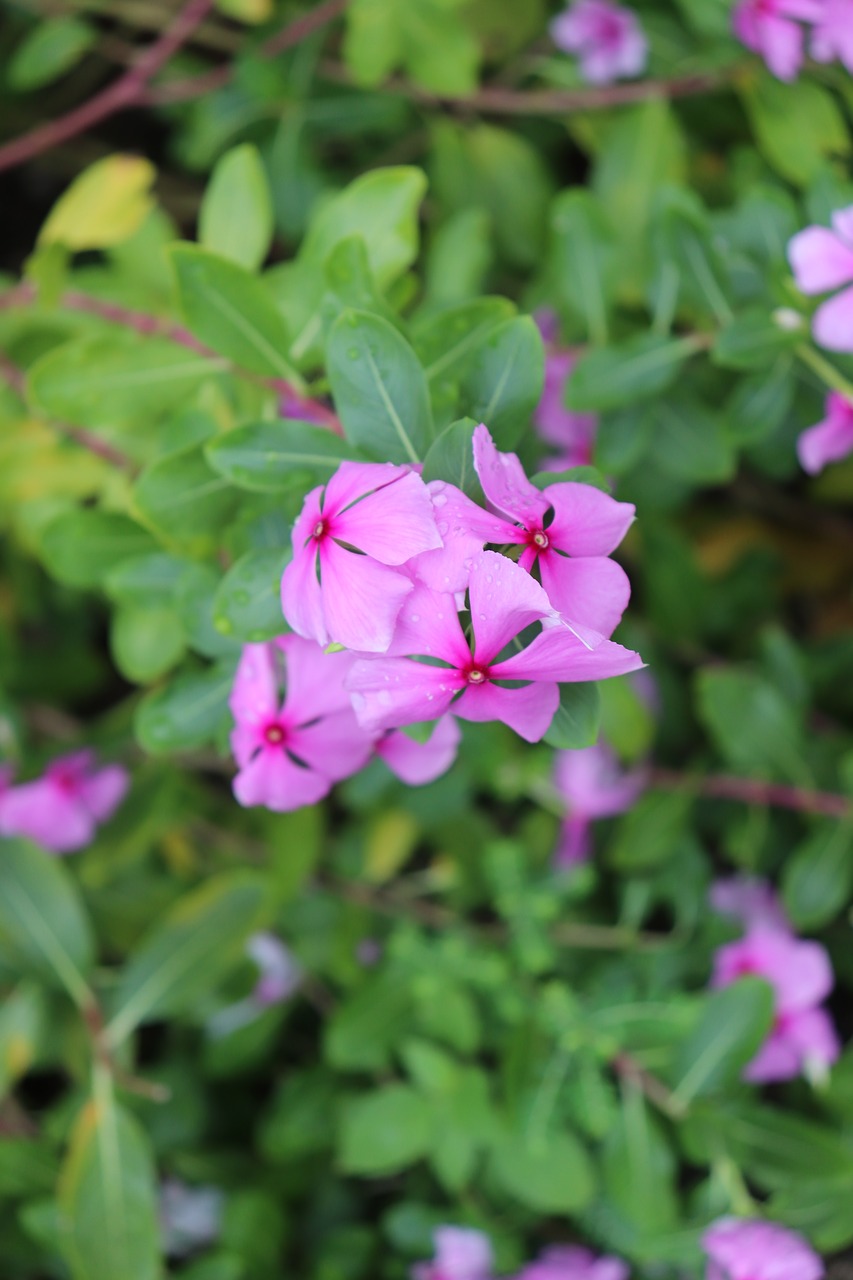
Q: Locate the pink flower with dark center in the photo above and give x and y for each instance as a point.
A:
(753, 1250)
(344, 583)
(565, 531)
(461, 1253)
(749, 900)
(62, 810)
(822, 260)
(417, 763)
(571, 1262)
(832, 35)
(829, 440)
(593, 786)
(607, 38)
(291, 751)
(801, 977)
(771, 28)
(503, 601)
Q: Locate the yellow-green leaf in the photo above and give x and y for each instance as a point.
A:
(103, 206)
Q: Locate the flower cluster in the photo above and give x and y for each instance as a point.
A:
(464, 1254)
(62, 810)
(571, 434)
(606, 37)
(803, 1038)
(776, 29)
(755, 1250)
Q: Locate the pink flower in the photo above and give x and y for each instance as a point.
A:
(829, 440)
(754, 1250)
(801, 977)
(417, 763)
(593, 786)
(832, 35)
(461, 1253)
(570, 1262)
(302, 409)
(607, 38)
(572, 433)
(331, 592)
(822, 260)
(291, 752)
(771, 28)
(279, 973)
(750, 900)
(566, 530)
(62, 810)
(503, 600)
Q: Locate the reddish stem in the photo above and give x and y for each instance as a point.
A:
(753, 791)
(125, 92)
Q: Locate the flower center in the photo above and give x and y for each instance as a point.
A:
(274, 735)
(320, 530)
(540, 539)
(476, 676)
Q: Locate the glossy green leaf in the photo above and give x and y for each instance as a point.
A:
(43, 924)
(430, 38)
(247, 604)
(639, 1168)
(651, 832)
(186, 713)
(577, 718)
(753, 340)
(23, 1024)
(750, 722)
(818, 876)
(734, 1024)
(362, 1032)
(451, 459)
(184, 500)
(795, 125)
(187, 953)
(146, 641)
(616, 376)
(501, 380)
(273, 457)
(236, 215)
(384, 1132)
(81, 547)
(582, 259)
(379, 388)
(49, 50)
(548, 1173)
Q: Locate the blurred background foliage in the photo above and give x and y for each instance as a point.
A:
(477, 1038)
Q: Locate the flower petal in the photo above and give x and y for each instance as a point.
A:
(254, 696)
(586, 521)
(428, 626)
(504, 600)
(529, 710)
(417, 763)
(361, 599)
(393, 524)
(504, 482)
(314, 680)
(335, 746)
(272, 779)
(819, 260)
(353, 480)
(465, 528)
(44, 813)
(559, 654)
(593, 591)
(301, 597)
(390, 692)
(827, 441)
(103, 791)
(832, 323)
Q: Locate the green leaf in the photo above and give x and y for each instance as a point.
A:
(577, 718)
(451, 459)
(690, 443)
(146, 641)
(236, 215)
(107, 1197)
(431, 38)
(186, 713)
(274, 457)
(650, 833)
(28, 1167)
(752, 340)
(549, 1173)
(382, 207)
(247, 604)
(232, 312)
(684, 244)
(582, 259)
(184, 501)
(384, 1132)
(104, 205)
(51, 48)
(379, 388)
(187, 953)
(81, 547)
(818, 1208)
(459, 257)
(750, 722)
(734, 1024)
(362, 1032)
(350, 282)
(796, 125)
(759, 404)
(23, 1024)
(639, 1168)
(42, 920)
(818, 876)
(117, 378)
(447, 337)
(145, 580)
(641, 367)
(502, 379)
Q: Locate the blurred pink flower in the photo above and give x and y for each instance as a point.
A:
(822, 260)
(279, 972)
(61, 810)
(356, 531)
(831, 439)
(291, 751)
(753, 1250)
(573, 434)
(190, 1217)
(750, 900)
(832, 36)
(593, 786)
(800, 974)
(461, 1253)
(570, 1262)
(504, 600)
(607, 38)
(772, 29)
(417, 763)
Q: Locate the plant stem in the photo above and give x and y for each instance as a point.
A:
(825, 371)
(753, 791)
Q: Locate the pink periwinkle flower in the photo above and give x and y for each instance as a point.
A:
(573, 434)
(571, 1262)
(607, 38)
(503, 600)
(803, 1037)
(461, 1253)
(417, 763)
(749, 900)
(593, 786)
(291, 751)
(344, 583)
(832, 35)
(831, 439)
(279, 972)
(822, 260)
(753, 1250)
(566, 531)
(62, 810)
(771, 28)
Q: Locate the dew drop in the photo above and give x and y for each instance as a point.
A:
(442, 529)
(439, 499)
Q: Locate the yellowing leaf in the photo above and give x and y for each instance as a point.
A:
(391, 839)
(248, 11)
(103, 206)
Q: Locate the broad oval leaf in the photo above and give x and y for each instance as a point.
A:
(103, 206)
(549, 1173)
(577, 718)
(186, 713)
(247, 604)
(81, 547)
(451, 459)
(620, 375)
(501, 381)
(273, 457)
(385, 1131)
(236, 215)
